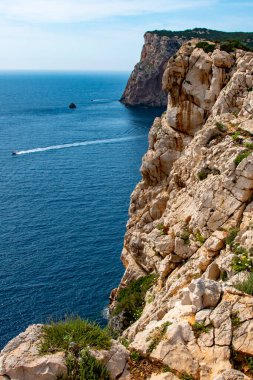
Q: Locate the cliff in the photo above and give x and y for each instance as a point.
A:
(190, 221)
(184, 307)
(144, 87)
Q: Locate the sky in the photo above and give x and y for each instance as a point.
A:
(100, 35)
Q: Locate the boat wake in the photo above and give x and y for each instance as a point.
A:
(80, 143)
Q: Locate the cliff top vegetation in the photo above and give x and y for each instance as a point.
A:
(245, 38)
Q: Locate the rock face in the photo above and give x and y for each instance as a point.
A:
(21, 360)
(144, 86)
(196, 187)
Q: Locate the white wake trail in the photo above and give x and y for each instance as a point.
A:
(80, 143)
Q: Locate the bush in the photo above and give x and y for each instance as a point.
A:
(199, 328)
(235, 136)
(186, 376)
(203, 173)
(231, 46)
(208, 48)
(84, 367)
(135, 356)
(221, 127)
(241, 157)
(235, 320)
(131, 300)
(247, 285)
(232, 233)
(248, 145)
(242, 262)
(57, 336)
(185, 236)
(200, 238)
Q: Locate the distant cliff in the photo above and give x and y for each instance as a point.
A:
(144, 87)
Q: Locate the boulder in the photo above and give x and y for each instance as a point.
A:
(202, 293)
(20, 359)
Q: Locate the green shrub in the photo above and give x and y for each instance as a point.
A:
(136, 356)
(157, 335)
(232, 233)
(208, 48)
(161, 227)
(84, 367)
(241, 157)
(200, 238)
(235, 136)
(249, 361)
(235, 320)
(248, 145)
(203, 173)
(131, 300)
(231, 45)
(224, 276)
(185, 236)
(221, 127)
(242, 262)
(247, 285)
(57, 336)
(200, 328)
(250, 89)
(186, 376)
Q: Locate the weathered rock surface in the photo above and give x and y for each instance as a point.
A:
(191, 194)
(144, 86)
(21, 360)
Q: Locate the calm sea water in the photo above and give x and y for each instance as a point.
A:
(63, 210)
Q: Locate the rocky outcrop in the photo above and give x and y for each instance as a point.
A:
(21, 359)
(144, 86)
(196, 187)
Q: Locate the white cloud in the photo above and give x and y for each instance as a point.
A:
(65, 11)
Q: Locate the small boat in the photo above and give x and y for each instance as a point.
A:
(14, 153)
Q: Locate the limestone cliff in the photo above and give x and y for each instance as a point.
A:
(191, 220)
(144, 86)
(191, 225)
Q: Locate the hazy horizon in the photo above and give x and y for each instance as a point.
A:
(85, 35)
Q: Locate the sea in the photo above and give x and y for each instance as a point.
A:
(65, 193)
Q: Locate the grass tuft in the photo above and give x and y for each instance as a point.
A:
(241, 156)
(200, 328)
(246, 286)
(57, 336)
(232, 233)
(157, 335)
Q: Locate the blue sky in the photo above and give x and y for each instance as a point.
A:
(101, 34)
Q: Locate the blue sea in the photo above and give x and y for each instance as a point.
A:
(63, 209)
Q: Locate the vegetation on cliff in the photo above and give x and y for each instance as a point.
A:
(245, 38)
